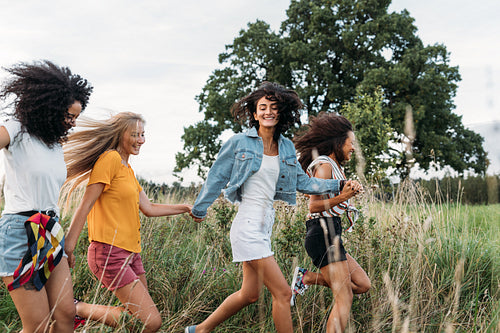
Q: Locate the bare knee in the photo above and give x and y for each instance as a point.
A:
(363, 286)
(366, 286)
(152, 324)
(284, 295)
(65, 312)
(343, 296)
(63, 317)
(249, 298)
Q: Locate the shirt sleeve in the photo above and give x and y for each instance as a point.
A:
(105, 169)
(13, 127)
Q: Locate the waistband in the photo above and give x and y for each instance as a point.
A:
(30, 213)
(331, 219)
(312, 216)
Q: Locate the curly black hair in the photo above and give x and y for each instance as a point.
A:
(289, 105)
(43, 93)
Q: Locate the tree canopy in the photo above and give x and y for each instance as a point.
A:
(326, 50)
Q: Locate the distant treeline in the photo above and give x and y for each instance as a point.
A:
(476, 190)
(176, 189)
(473, 190)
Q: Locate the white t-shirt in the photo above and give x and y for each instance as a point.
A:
(259, 188)
(34, 173)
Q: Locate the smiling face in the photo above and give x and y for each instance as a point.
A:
(348, 147)
(266, 113)
(72, 114)
(132, 140)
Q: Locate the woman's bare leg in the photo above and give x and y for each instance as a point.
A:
(280, 291)
(136, 299)
(360, 280)
(255, 274)
(59, 288)
(54, 301)
(248, 294)
(32, 307)
(338, 277)
(108, 315)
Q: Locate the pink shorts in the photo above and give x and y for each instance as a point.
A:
(114, 266)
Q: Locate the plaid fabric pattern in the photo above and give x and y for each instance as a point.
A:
(39, 227)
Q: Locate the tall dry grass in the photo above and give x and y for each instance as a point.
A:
(434, 268)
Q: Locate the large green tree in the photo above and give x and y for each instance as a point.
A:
(325, 49)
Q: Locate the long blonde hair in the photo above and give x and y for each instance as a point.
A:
(92, 138)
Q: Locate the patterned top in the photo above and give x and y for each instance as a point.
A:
(345, 206)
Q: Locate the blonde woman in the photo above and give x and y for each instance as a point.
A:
(111, 205)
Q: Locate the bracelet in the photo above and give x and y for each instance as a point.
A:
(341, 184)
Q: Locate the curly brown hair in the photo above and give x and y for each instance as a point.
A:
(43, 93)
(326, 133)
(289, 105)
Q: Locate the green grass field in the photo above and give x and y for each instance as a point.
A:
(434, 268)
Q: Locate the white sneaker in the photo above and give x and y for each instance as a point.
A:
(298, 287)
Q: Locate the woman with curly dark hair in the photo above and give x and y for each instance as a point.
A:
(46, 100)
(258, 167)
(324, 147)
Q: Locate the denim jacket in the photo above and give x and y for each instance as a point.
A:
(240, 157)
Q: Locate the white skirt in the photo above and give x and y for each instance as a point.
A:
(251, 233)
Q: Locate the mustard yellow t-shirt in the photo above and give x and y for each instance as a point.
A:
(114, 218)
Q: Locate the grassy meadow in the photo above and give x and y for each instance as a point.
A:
(433, 267)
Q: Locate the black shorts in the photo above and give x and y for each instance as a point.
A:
(322, 248)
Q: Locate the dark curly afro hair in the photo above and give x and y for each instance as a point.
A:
(43, 93)
(289, 105)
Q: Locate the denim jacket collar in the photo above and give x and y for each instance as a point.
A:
(253, 133)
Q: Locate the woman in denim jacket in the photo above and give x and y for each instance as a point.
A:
(258, 167)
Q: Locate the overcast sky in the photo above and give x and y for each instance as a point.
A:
(154, 57)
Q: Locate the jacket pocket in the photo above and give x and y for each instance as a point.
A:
(243, 161)
(291, 161)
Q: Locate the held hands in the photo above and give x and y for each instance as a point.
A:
(352, 188)
(188, 208)
(196, 219)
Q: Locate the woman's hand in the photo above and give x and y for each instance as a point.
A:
(352, 188)
(196, 219)
(71, 258)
